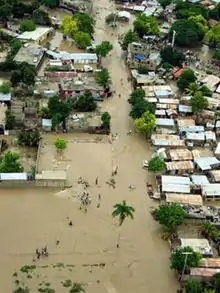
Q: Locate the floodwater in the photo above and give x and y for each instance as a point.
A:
(31, 218)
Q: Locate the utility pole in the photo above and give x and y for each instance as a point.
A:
(173, 38)
(185, 262)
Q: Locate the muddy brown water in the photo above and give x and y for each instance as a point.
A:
(31, 218)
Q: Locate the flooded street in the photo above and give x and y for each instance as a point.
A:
(32, 218)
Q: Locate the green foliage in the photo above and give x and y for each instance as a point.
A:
(165, 3)
(208, 230)
(85, 23)
(156, 164)
(213, 36)
(129, 37)
(194, 286)
(146, 123)
(143, 70)
(10, 164)
(22, 290)
(140, 107)
(5, 87)
(67, 283)
(111, 18)
(185, 9)
(85, 102)
(77, 288)
(201, 22)
(41, 17)
(50, 3)
(217, 55)
(146, 25)
(31, 138)
(5, 12)
(193, 88)
(216, 280)
(198, 102)
(60, 144)
(170, 216)
(178, 259)
(69, 26)
(123, 211)
(27, 26)
(59, 110)
(172, 56)
(9, 120)
(215, 13)
(103, 77)
(185, 79)
(136, 95)
(44, 112)
(103, 49)
(15, 77)
(106, 119)
(82, 40)
(188, 33)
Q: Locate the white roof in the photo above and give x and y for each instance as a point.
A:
(13, 176)
(36, 34)
(198, 245)
(125, 14)
(47, 122)
(199, 179)
(211, 189)
(217, 150)
(139, 8)
(195, 136)
(72, 56)
(5, 97)
(175, 180)
(205, 163)
(176, 188)
(164, 122)
(185, 109)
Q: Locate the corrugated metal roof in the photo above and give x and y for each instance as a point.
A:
(210, 135)
(5, 97)
(160, 113)
(72, 56)
(47, 122)
(187, 199)
(161, 93)
(210, 262)
(198, 128)
(203, 272)
(165, 137)
(199, 179)
(13, 176)
(169, 101)
(36, 34)
(164, 122)
(185, 122)
(166, 106)
(216, 175)
(185, 109)
(179, 165)
(139, 8)
(211, 190)
(198, 245)
(180, 154)
(166, 179)
(176, 188)
(195, 136)
(206, 163)
(169, 143)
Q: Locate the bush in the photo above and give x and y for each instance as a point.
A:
(156, 164)
(185, 79)
(29, 138)
(85, 102)
(27, 26)
(172, 56)
(5, 87)
(60, 144)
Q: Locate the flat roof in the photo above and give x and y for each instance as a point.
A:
(166, 179)
(198, 245)
(187, 199)
(206, 163)
(73, 56)
(216, 175)
(199, 179)
(32, 54)
(176, 188)
(164, 122)
(13, 176)
(36, 34)
(211, 190)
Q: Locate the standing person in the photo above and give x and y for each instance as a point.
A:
(99, 197)
(96, 181)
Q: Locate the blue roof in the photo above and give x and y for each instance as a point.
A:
(139, 57)
(161, 93)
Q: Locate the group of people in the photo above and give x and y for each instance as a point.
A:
(41, 252)
(85, 198)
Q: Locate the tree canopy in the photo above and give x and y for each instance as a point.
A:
(103, 49)
(85, 102)
(41, 17)
(137, 94)
(145, 25)
(185, 79)
(193, 88)
(60, 144)
(85, 23)
(217, 55)
(188, 33)
(172, 56)
(50, 3)
(140, 107)
(213, 36)
(170, 216)
(69, 26)
(178, 259)
(194, 286)
(123, 211)
(185, 9)
(11, 164)
(146, 123)
(59, 110)
(128, 38)
(165, 3)
(5, 87)
(29, 138)
(103, 77)
(27, 25)
(106, 119)
(156, 164)
(198, 102)
(82, 40)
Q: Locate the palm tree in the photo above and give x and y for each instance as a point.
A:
(192, 89)
(122, 210)
(208, 230)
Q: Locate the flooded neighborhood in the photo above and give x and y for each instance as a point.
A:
(110, 149)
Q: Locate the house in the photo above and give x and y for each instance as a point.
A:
(198, 245)
(211, 191)
(207, 163)
(199, 180)
(195, 138)
(179, 180)
(124, 16)
(165, 122)
(175, 188)
(167, 141)
(180, 154)
(215, 175)
(38, 36)
(202, 273)
(185, 199)
(184, 109)
(150, 91)
(209, 263)
(30, 53)
(47, 124)
(211, 81)
(5, 98)
(179, 167)
(76, 58)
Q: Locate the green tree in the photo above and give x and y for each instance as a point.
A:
(77, 288)
(140, 107)
(5, 12)
(164, 3)
(146, 25)
(111, 18)
(103, 49)
(178, 260)
(185, 9)
(9, 120)
(30, 138)
(15, 77)
(82, 40)
(44, 112)
(50, 3)
(60, 144)
(198, 102)
(156, 164)
(185, 79)
(217, 55)
(5, 87)
(10, 163)
(103, 77)
(208, 230)
(41, 17)
(188, 33)
(172, 56)
(69, 26)
(106, 119)
(129, 37)
(201, 22)
(216, 280)
(123, 211)
(136, 95)
(59, 110)
(27, 25)
(193, 88)
(194, 286)
(213, 36)
(85, 102)
(170, 216)
(85, 23)
(146, 124)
